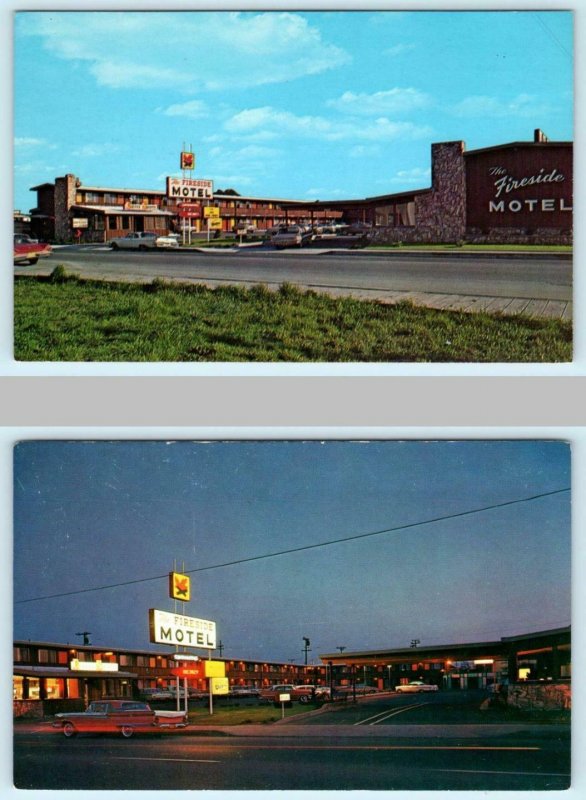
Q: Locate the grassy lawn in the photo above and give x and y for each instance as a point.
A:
(244, 715)
(68, 319)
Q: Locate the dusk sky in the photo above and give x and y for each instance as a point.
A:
(93, 514)
(300, 105)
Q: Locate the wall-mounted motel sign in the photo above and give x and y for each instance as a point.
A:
(167, 628)
(190, 188)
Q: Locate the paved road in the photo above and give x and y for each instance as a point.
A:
(539, 286)
(337, 753)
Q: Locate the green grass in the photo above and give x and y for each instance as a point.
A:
(66, 319)
(244, 715)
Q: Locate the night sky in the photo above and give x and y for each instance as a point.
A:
(103, 513)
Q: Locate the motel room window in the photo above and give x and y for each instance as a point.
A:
(111, 199)
(405, 214)
(99, 222)
(125, 223)
(113, 223)
(22, 654)
(92, 197)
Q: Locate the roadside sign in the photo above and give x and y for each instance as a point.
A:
(178, 629)
(214, 223)
(219, 685)
(190, 188)
(214, 669)
(211, 211)
(179, 586)
(194, 671)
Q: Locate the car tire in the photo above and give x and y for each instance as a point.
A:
(114, 246)
(127, 731)
(142, 247)
(69, 730)
(304, 698)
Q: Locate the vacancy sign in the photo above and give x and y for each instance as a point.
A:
(177, 629)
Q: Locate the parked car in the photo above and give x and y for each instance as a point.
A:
(360, 688)
(272, 692)
(309, 692)
(290, 236)
(156, 694)
(416, 686)
(143, 241)
(359, 228)
(27, 250)
(244, 691)
(118, 716)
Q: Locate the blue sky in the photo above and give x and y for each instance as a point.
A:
(91, 514)
(303, 105)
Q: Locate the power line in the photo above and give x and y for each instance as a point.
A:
(354, 538)
(548, 30)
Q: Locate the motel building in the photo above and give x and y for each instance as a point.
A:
(544, 656)
(50, 677)
(515, 193)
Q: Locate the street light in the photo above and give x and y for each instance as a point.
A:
(389, 669)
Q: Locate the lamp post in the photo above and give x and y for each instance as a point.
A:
(389, 678)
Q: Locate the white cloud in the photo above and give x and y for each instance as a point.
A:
(30, 141)
(193, 109)
(523, 105)
(409, 176)
(188, 51)
(270, 122)
(391, 101)
(96, 150)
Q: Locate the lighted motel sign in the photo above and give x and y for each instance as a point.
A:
(179, 586)
(177, 629)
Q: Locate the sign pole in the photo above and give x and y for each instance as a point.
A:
(210, 684)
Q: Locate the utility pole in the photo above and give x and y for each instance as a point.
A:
(220, 647)
(306, 648)
(341, 649)
(86, 636)
(415, 642)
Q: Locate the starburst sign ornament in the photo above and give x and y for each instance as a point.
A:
(179, 586)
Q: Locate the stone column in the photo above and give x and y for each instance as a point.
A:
(65, 189)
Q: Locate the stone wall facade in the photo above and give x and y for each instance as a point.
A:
(65, 189)
(441, 213)
(550, 696)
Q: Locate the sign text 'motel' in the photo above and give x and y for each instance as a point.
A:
(190, 188)
(505, 184)
(177, 629)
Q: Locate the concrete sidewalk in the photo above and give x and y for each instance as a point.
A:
(299, 730)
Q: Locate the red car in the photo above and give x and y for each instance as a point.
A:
(118, 716)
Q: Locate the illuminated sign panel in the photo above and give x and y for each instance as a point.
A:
(215, 669)
(177, 629)
(190, 188)
(220, 686)
(179, 586)
(187, 160)
(92, 666)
